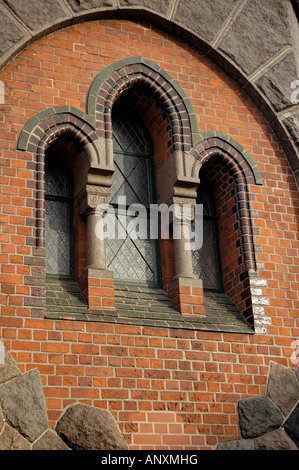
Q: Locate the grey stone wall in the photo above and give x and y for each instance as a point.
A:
(270, 422)
(255, 42)
(24, 422)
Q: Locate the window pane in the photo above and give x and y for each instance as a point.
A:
(129, 136)
(58, 260)
(56, 183)
(132, 259)
(58, 230)
(206, 264)
(206, 261)
(132, 178)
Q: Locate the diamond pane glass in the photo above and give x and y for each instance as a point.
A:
(57, 239)
(129, 136)
(133, 259)
(207, 202)
(206, 262)
(132, 179)
(58, 223)
(56, 183)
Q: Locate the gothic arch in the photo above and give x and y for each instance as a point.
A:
(40, 132)
(245, 172)
(218, 30)
(116, 79)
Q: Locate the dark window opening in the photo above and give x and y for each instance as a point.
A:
(207, 260)
(58, 222)
(133, 259)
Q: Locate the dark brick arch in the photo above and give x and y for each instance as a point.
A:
(38, 134)
(211, 140)
(51, 122)
(117, 78)
(245, 172)
(254, 42)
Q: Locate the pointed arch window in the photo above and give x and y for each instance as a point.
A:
(132, 259)
(207, 260)
(58, 223)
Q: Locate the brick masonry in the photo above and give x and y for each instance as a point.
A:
(166, 387)
(47, 125)
(217, 30)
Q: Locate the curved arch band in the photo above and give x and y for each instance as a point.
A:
(115, 79)
(245, 173)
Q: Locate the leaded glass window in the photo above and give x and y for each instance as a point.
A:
(206, 260)
(58, 224)
(132, 259)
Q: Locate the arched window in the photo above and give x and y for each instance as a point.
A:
(58, 224)
(207, 260)
(130, 252)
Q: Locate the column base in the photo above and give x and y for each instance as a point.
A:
(187, 296)
(97, 287)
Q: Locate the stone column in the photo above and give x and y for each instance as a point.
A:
(175, 188)
(95, 240)
(185, 289)
(182, 247)
(93, 203)
(97, 283)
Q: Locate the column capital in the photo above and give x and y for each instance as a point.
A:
(91, 197)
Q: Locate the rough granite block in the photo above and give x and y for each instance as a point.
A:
(10, 33)
(37, 14)
(204, 17)
(259, 32)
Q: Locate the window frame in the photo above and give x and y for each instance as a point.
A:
(150, 157)
(69, 200)
(215, 229)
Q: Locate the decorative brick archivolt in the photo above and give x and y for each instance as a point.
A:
(245, 173)
(238, 156)
(115, 79)
(254, 42)
(44, 127)
(188, 151)
(106, 89)
(93, 129)
(40, 132)
(96, 124)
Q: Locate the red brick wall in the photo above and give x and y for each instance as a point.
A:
(166, 388)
